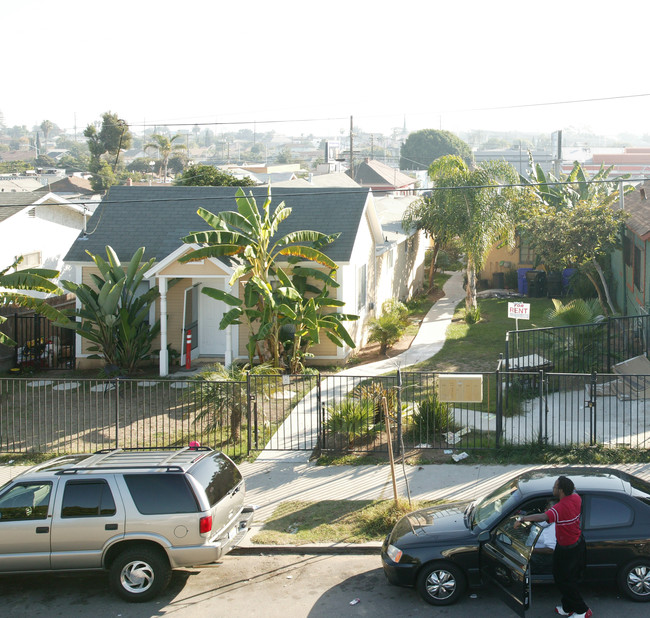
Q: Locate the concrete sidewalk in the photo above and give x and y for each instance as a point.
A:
(302, 423)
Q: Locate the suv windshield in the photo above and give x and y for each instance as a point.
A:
(217, 475)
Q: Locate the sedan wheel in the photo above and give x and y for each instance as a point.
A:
(441, 584)
(634, 580)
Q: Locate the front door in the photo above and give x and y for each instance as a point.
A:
(212, 340)
(25, 527)
(505, 558)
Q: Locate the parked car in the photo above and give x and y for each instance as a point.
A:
(136, 513)
(445, 549)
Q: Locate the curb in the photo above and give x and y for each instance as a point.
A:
(349, 549)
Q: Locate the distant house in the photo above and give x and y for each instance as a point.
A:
(41, 226)
(382, 178)
(157, 218)
(631, 264)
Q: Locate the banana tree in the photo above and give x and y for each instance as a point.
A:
(306, 310)
(248, 236)
(32, 279)
(113, 314)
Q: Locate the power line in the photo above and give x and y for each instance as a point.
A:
(361, 190)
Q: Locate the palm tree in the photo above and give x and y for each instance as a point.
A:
(479, 206)
(32, 279)
(165, 146)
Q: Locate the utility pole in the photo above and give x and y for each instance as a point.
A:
(351, 149)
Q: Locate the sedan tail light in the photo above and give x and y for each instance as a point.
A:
(205, 524)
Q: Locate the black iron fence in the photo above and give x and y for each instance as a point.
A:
(578, 349)
(329, 413)
(41, 344)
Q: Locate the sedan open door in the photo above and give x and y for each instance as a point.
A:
(505, 557)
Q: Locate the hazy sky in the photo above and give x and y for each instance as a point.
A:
(430, 61)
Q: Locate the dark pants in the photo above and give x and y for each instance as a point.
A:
(568, 568)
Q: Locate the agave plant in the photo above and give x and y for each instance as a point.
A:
(113, 315)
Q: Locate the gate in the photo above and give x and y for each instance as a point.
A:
(563, 409)
(41, 344)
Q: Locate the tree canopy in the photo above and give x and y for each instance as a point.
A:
(209, 176)
(479, 206)
(164, 146)
(574, 222)
(105, 146)
(423, 147)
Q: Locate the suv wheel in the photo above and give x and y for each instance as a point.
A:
(139, 574)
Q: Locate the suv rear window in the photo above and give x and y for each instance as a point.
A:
(164, 493)
(217, 475)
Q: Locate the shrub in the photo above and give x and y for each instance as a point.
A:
(473, 315)
(432, 419)
(352, 418)
(386, 330)
(392, 306)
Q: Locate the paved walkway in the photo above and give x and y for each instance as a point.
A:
(300, 427)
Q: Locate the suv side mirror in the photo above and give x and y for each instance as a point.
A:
(484, 536)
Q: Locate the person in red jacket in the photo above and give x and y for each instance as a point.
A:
(570, 551)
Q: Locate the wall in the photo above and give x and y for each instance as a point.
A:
(52, 231)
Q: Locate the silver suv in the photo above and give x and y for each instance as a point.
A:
(137, 513)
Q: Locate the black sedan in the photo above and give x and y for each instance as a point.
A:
(445, 549)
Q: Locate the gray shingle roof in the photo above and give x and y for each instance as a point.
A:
(12, 203)
(158, 217)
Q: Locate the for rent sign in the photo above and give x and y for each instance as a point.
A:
(519, 311)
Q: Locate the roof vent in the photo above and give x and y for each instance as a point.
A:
(643, 195)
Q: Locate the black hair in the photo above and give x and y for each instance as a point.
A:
(566, 485)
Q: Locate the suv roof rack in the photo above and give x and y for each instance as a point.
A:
(167, 468)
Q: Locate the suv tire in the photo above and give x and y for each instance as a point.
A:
(139, 574)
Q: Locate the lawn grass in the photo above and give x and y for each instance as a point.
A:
(476, 347)
(333, 521)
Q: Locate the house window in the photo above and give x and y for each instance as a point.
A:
(526, 253)
(627, 250)
(637, 268)
(30, 260)
(362, 287)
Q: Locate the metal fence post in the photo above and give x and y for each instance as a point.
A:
(541, 405)
(592, 408)
(609, 351)
(499, 406)
(249, 428)
(399, 411)
(117, 412)
(320, 425)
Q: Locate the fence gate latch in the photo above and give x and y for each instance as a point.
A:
(590, 404)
